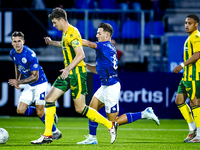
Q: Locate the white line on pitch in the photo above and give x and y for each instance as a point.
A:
(75, 128)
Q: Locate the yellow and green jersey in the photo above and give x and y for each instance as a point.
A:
(192, 45)
(71, 39)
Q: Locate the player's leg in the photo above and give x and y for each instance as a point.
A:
(148, 113)
(185, 110)
(39, 97)
(78, 86)
(21, 107)
(24, 101)
(93, 115)
(50, 99)
(89, 112)
(56, 134)
(195, 104)
(91, 138)
(108, 95)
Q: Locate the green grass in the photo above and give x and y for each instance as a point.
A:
(140, 135)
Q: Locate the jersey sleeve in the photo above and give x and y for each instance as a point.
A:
(99, 46)
(196, 43)
(34, 65)
(74, 40)
(11, 54)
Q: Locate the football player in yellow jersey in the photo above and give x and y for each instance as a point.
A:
(73, 77)
(189, 85)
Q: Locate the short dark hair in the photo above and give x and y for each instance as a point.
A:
(195, 17)
(106, 27)
(58, 13)
(17, 33)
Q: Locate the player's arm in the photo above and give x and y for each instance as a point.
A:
(53, 43)
(88, 43)
(17, 73)
(80, 55)
(191, 60)
(91, 68)
(34, 77)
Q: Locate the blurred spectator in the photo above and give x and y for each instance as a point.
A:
(159, 7)
(59, 3)
(119, 53)
(107, 4)
(38, 4)
(129, 4)
(86, 4)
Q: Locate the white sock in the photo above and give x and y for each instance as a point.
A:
(92, 136)
(192, 126)
(198, 131)
(142, 115)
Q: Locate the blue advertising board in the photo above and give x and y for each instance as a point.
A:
(175, 51)
(140, 90)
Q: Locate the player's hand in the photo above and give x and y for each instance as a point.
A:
(17, 87)
(65, 73)
(177, 69)
(14, 82)
(47, 40)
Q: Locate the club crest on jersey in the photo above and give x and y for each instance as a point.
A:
(24, 60)
(35, 65)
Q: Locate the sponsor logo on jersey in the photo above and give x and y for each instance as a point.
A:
(185, 48)
(22, 69)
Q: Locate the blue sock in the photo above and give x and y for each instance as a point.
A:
(133, 116)
(30, 111)
(43, 120)
(93, 127)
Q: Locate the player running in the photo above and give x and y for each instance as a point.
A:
(26, 63)
(109, 92)
(73, 76)
(189, 85)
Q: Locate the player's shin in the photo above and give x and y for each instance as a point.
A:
(187, 114)
(49, 117)
(43, 120)
(93, 115)
(131, 117)
(31, 110)
(93, 128)
(196, 114)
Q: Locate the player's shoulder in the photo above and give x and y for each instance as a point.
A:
(72, 32)
(196, 35)
(29, 52)
(12, 52)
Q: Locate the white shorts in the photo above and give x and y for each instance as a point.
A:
(109, 95)
(35, 94)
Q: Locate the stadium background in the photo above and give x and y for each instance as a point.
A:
(150, 39)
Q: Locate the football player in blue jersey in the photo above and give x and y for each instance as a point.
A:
(35, 80)
(109, 92)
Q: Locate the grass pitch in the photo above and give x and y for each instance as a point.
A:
(139, 135)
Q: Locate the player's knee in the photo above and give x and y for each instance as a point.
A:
(79, 110)
(21, 111)
(178, 102)
(40, 113)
